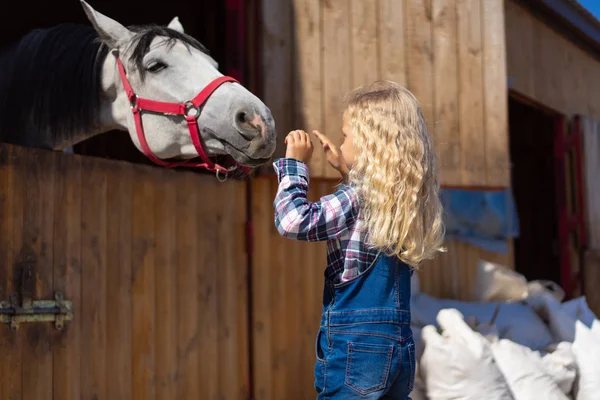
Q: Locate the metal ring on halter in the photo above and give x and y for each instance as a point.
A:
(218, 176)
(189, 106)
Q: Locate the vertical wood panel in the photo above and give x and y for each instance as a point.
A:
(497, 165)
(67, 276)
(262, 324)
(591, 166)
(364, 33)
(143, 286)
(35, 270)
(119, 338)
(445, 78)
(229, 246)
(165, 284)
(391, 42)
(308, 82)
(278, 65)
(420, 56)
(93, 279)
(470, 95)
(208, 283)
(188, 334)
(12, 195)
(338, 68)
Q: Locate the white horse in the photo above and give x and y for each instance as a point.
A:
(62, 85)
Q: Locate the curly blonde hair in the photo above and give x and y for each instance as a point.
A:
(394, 172)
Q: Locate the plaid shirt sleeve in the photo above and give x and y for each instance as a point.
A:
(297, 218)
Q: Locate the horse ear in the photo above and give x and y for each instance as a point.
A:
(175, 24)
(110, 31)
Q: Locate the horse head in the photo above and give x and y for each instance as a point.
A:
(166, 65)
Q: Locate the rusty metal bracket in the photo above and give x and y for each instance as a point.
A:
(58, 311)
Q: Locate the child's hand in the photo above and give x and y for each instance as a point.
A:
(334, 157)
(299, 146)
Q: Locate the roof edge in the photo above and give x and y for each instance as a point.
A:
(570, 19)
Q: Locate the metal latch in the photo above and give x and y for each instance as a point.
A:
(58, 311)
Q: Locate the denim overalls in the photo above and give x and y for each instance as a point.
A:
(365, 347)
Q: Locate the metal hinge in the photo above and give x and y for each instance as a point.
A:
(58, 311)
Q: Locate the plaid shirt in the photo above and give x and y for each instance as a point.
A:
(335, 218)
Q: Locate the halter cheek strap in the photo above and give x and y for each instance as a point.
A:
(190, 110)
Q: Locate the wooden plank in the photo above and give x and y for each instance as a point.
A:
(308, 80)
(35, 269)
(591, 166)
(119, 252)
(445, 78)
(392, 41)
(282, 268)
(209, 275)
(519, 48)
(495, 94)
(12, 194)
(67, 275)
(93, 315)
(262, 325)
(418, 19)
(230, 243)
(470, 95)
(277, 66)
(241, 291)
(143, 285)
(337, 76)
(364, 39)
(188, 334)
(165, 204)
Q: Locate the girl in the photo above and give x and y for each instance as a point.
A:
(382, 221)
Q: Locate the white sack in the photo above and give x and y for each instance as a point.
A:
(586, 349)
(495, 282)
(458, 365)
(560, 364)
(596, 327)
(524, 372)
(561, 318)
(515, 321)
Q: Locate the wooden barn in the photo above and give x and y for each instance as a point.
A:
(179, 285)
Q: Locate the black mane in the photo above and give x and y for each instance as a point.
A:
(50, 80)
(144, 35)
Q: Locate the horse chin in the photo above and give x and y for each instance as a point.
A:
(236, 156)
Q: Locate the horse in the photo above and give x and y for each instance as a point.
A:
(63, 85)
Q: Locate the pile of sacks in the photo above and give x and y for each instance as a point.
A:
(517, 340)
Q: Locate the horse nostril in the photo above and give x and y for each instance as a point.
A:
(242, 117)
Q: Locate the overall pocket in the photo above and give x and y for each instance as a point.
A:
(368, 367)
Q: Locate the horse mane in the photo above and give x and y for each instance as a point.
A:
(145, 34)
(50, 80)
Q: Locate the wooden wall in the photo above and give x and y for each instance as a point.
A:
(546, 67)
(154, 261)
(449, 53)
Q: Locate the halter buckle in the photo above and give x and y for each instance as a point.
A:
(133, 102)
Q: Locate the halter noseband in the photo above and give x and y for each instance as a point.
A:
(190, 110)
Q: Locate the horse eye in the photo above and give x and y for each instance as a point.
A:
(156, 66)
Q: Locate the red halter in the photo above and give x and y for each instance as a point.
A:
(190, 110)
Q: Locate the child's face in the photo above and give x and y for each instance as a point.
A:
(347, 148)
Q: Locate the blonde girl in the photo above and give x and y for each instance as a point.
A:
(384, 219)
